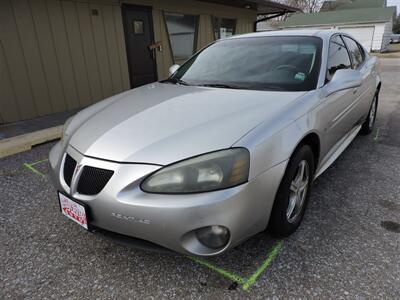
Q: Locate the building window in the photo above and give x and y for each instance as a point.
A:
(182, 32)
(224, 28)
(138, 27)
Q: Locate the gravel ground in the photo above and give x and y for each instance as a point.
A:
(347, 247)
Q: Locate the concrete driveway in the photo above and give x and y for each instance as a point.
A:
(347, 247)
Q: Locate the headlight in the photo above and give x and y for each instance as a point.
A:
(209, 172)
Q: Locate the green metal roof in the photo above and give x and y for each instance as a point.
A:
(351, 4)
(362, 15)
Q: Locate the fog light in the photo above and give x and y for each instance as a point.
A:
(213, 236)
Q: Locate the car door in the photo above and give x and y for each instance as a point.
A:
(365, 92)
(334, 110)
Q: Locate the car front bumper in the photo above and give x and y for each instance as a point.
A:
(171, 220)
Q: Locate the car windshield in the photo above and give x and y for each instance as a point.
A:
(289, 63)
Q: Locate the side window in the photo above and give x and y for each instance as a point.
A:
(362, 51)
(338, 57)
(357, 56)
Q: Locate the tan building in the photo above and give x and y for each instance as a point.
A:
(62, 55)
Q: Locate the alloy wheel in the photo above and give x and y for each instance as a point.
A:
(372, 114)
(298, 191)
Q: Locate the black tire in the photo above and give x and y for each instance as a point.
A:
(279, 223)
(369, 123)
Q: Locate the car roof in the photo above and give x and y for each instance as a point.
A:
(323, 33)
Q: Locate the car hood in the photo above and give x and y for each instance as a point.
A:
(162, 123)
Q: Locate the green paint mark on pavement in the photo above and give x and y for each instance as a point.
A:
(377, 134)
(246, 283)
(274, 252)
(220, 271)
(34, 170)
(38, 162)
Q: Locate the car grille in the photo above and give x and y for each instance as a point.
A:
(93, 180)
(69, 168)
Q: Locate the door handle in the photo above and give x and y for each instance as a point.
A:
(153, 47)
(355, 90)
(156, 45)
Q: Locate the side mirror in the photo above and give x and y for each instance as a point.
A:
(173, 69)
(344, 79)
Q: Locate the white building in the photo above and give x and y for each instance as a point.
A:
(369, 21)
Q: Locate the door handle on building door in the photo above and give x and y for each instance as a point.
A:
(156, 45)
(153, 47)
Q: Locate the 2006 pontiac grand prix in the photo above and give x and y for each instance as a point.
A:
(229, 144)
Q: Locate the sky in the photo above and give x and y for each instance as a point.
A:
(394, 3)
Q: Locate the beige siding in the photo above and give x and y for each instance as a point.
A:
(8, 103)
(89, 52)
(15, 63)
(163, 57)
(61, 46)
(205, 31)
(56, 55)
(120, 39)
(48, 55)
(32, 55)
(112, 48)
(76, 50)
(244, 25)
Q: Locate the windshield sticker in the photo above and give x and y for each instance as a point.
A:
(300, 76)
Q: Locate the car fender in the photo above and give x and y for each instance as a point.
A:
(274, 141)
(375, 71)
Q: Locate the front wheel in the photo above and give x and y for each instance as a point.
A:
(369, 123)
(293, 193)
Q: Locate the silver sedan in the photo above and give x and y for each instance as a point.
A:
(229, 144)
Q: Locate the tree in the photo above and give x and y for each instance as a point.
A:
(307, 6)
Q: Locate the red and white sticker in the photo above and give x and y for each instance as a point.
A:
(73, 210)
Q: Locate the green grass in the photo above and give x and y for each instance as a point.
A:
(394, 47)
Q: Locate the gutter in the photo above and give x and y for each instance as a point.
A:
(334, 24)
(268, 18)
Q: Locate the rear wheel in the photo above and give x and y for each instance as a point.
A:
(293, 193)
(369, 123)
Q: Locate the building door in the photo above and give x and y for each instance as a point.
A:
(138, 27)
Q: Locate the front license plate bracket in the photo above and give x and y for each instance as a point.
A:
(74, 210)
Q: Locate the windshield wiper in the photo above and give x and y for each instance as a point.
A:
(272, 88)
(222, 85)
(176, 81)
